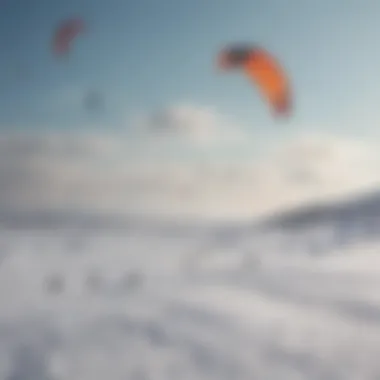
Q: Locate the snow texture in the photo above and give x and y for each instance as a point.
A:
(296, 297)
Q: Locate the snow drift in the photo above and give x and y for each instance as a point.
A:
(217, 302)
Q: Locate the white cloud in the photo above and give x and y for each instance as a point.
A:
(129, 172)
(200, 125)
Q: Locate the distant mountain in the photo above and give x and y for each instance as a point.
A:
(60, 219)
(354, 219)
(89, 220)
(361, 208)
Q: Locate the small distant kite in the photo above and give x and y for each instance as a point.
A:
(93, 101)
(67, 31)
(264, 71)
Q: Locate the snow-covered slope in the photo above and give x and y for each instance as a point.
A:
(259, 301)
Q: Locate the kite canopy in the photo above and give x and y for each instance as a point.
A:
(65, 34)
(263, 70)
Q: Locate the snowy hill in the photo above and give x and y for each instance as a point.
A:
(85, 297)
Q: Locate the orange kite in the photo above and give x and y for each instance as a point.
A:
(264, 71)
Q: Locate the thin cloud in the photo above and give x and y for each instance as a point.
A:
(199, 125)
(130, 173)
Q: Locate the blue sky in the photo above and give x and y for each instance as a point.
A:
(153, 53)
(150, 55)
